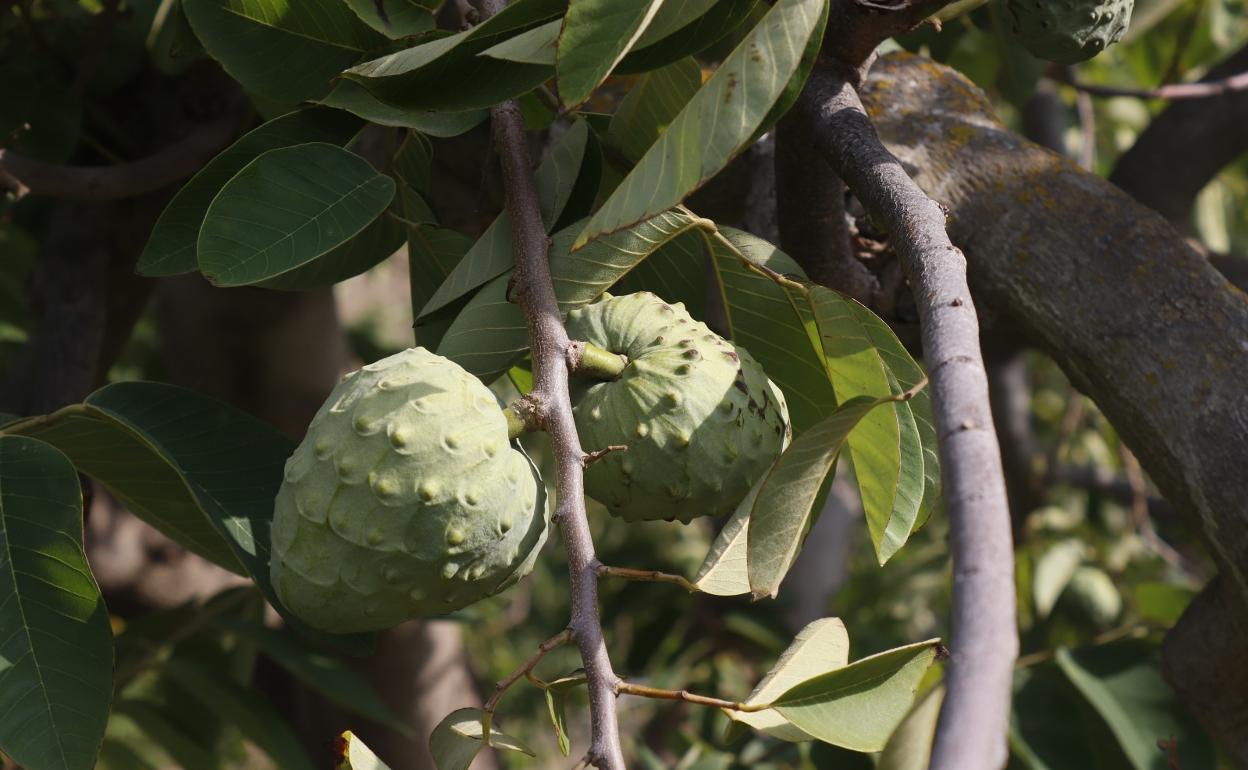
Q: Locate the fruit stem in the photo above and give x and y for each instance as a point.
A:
(585, 359)
(517, 426)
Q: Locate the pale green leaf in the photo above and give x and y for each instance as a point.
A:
(352, 97)
(396, 19)
(236, 705)
(490, 334)
(724, 571)
(820, 647)
(56, 650)
(858, 706)
(491, 255)
(285, 209)
(651, 104)
(1053, 572)
(537, 46)
(910, 746)
(171, 248)
(354, 755)
(717, 123)
(1123, 683)
(596, 35)
(786, 504)
(283, 50)
(457, 740)
(555, 708)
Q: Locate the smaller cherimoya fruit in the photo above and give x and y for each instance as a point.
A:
(406, 499)
(1069, 31)
(699, 417)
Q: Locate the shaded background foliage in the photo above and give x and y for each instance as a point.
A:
(1105, 565)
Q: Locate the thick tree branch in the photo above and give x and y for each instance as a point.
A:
(20, 175)
(973, 724)
(1137, 319)
(549, 344)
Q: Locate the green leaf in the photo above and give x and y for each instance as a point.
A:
(56, 655)
(555, 707)
(457, 740)
(717, 123)
(537, 46)
(152, 719)
(858, 706)
(490, 335)
(396, 19)
(652, 104)
(1053, 572)
(285, 209)
(244, 708)
(198, 470)
(820, 647)
(433, 252)
(724, 571)
(1162, 603)
(596, 35)
(910, 746)
(171, 248)
(785, 507)
(354, 98)
(682, 29)
(380, 239)
(320, 672)
(354, 755)
(283, 50)
(1122, 681)
(491, 255)
(863, 359)
(448, 74)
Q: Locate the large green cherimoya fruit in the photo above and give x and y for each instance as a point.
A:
(1069, 31)
(699, 417)
(405, 499)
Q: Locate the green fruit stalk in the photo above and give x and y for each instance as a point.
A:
(699, 417)
(1069, 31)
(405, 499)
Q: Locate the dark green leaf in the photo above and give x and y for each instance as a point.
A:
(596, 35)
(171, 248)
(355, 98)
(285, 209)
(396, 19)
(56, 654)
(671, 36)
(651, 104)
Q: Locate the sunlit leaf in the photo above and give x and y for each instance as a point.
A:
(457, 740)
(352, 754)
(820, 647)
(1053, 572)
(910, 746)
(717, 123)
(858, 706)
(651, 105)
(56, 649)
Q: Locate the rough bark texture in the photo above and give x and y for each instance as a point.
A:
(1206, 133)
(1136, 318)
(971, 732)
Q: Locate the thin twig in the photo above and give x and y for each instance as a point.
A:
(1170, 91)
(646, 576)
(971, 732)
(525, 670)
(592, 457)
(629, 688)
(549, 344)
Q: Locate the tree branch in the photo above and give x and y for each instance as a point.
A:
(549, 343)
(20, 175)
(971, 733)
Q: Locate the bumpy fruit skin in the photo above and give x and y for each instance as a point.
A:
(699, 417)
(404, 500)
(1069, 31)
